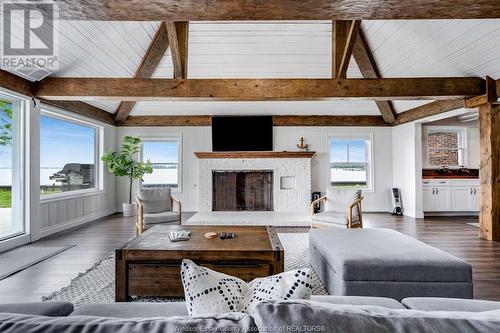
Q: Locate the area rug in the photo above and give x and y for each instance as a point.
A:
(97, 284)
(16, 260)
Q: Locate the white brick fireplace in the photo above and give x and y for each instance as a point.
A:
(291, 179)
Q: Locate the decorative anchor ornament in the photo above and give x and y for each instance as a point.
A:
(302, 146)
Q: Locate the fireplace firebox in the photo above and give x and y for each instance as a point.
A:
(242, 190)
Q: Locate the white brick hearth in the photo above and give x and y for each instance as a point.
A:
(291, 177)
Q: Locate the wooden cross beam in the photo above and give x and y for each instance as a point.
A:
(344, 35)
(244, 10)
(149, 63)
(83, 109)
(427, 110)
(368, 68)
(15, 83)
(178, 38)
(491, 96)
(258, 89)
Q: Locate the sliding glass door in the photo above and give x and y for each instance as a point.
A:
(12, 168)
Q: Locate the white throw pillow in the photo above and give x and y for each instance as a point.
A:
(208, 291)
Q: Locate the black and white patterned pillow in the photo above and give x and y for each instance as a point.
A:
(207, 291)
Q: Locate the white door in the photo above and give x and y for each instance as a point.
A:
(428, 199)
(460, 198)
(442, 199)
(13, 228)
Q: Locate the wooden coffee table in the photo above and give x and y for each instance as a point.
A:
(149, 265)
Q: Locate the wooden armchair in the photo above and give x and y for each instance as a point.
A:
(154, 206)
(342, 208)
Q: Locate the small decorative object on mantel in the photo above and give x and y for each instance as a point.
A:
(302, 146)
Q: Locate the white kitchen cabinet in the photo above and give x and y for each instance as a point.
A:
(443, 199)
(428, 201)
(461, 198)
(436, 199)
(445, 195)
(474, 202)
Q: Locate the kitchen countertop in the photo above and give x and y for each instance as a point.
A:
(450, 174)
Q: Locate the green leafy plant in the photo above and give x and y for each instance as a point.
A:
(5, 123)
(125, 164)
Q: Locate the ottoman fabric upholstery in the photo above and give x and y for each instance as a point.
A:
(449, 304)
(386, 263)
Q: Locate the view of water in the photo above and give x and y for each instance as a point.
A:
(341, 175)
(170, 176)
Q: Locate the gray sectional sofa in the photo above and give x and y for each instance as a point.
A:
(385, 263)
(321, 313)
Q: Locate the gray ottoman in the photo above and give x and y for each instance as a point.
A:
(385, 263)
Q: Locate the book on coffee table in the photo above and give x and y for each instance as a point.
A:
(177, 236)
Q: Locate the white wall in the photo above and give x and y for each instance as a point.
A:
(54, 215)
(407, 166)
(473, 149)
(285, 138)
(193, 139)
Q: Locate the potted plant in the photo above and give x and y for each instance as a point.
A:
(125, 164)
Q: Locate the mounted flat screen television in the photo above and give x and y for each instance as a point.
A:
(242, 133)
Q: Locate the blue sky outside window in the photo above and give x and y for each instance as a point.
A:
(348, 163)
(67, 155)
(164, 154)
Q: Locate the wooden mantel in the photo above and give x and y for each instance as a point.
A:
(256, 154)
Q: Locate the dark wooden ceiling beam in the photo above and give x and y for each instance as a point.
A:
(277, 121)
(369, 69)
(491, 96)
(224, 10)
(167, 121)
(15, 83)
(258, 89)
(149, 63)
(344, 35)
(427, 110)
(83, 109)
(178, 38)
(329, 121)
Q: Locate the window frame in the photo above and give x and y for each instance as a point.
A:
(462, 144)
(59, 114)
(22, 236)
(369, 137)
(173, 137)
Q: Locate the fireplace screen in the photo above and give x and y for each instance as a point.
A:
(242, 190)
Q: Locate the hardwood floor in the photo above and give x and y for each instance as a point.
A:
(95, 240)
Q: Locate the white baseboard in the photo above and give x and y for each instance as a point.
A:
(74, 223)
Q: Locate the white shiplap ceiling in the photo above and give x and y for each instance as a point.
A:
(280, 49)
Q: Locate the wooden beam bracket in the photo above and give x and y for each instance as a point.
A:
(149, 63)
(178, 38)
(344, 34)
(368, 67)
(490, 97)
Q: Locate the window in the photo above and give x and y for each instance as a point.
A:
(350, 162)
(445, 147)
(164, 154)
(69, 155)
(12, 173)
